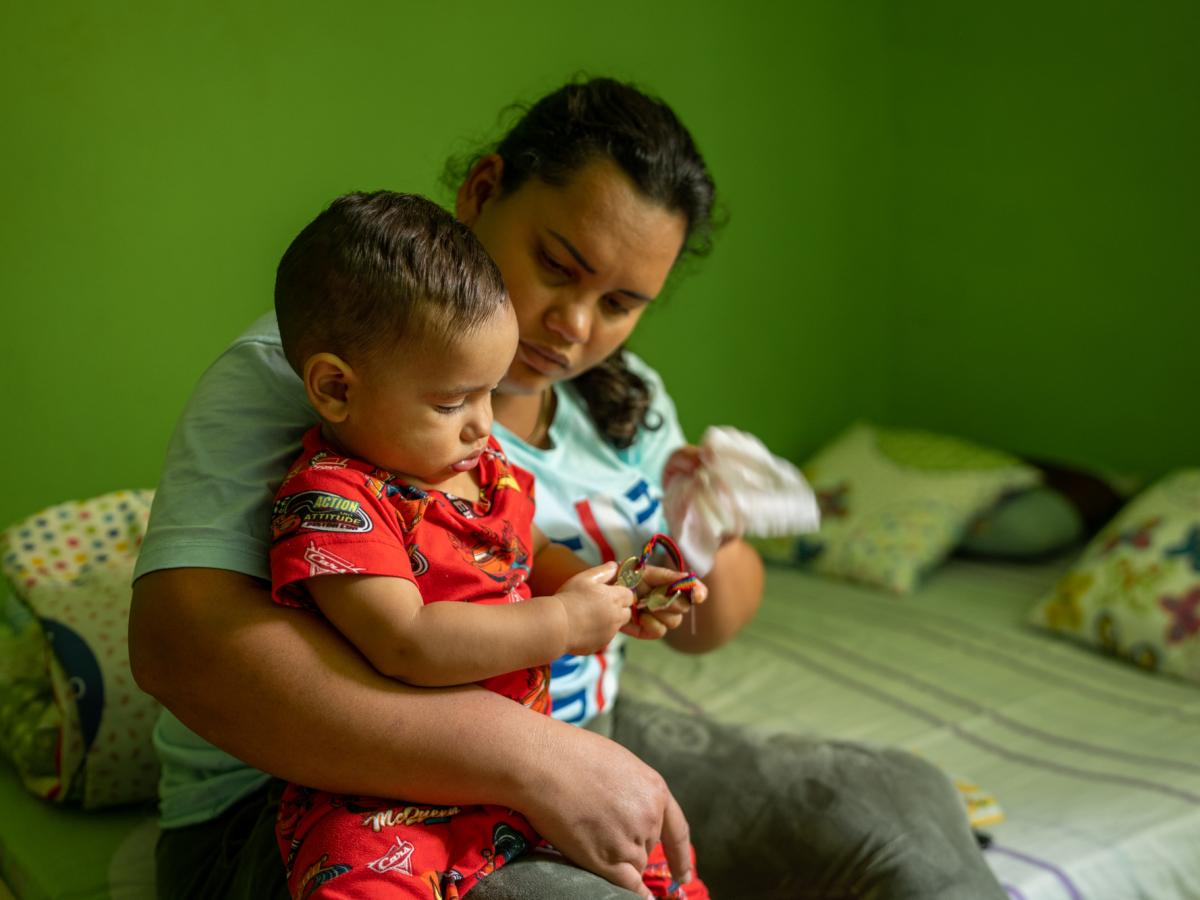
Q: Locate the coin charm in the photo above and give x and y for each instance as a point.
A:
(658, 598)
(630, 573)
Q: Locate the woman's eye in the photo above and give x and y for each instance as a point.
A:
(551, 263)
(615, 306)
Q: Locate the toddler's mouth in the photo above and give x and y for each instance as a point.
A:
(470, 462)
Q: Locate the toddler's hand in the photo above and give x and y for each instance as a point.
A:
(595, 609)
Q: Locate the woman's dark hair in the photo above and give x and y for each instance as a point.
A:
(375, 269)
(606, 119)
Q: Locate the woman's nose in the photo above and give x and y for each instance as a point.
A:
(570, 319)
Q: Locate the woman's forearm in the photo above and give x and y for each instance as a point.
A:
(281, 690)
(735, 586)
(284, 692)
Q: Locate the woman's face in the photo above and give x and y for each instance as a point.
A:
(581, 263)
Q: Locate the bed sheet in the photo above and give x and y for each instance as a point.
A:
(51, 853)
(1092, 761)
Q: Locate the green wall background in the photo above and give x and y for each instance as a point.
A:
(971, 220)
(1047, 226)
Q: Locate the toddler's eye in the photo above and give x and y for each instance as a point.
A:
(448, 410)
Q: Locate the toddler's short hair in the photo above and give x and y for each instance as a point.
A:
(376, 269)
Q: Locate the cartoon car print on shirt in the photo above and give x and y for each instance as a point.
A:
(508, 843)
(397, 859)
(318, 874)
(317, 511)
(500, 557)
(537, 689)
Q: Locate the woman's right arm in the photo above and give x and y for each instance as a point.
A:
(282, 691)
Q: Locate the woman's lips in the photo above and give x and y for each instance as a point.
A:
(542, 359)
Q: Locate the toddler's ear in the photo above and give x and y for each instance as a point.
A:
(327, 379)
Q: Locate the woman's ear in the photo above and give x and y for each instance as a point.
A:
(327, 381)
(481, 185)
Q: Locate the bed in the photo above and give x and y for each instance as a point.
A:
(1091, 760)
(55, 853)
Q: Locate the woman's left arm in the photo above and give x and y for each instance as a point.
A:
(735, 587)
(735, 582)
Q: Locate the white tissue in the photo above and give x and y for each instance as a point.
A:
(740, 488)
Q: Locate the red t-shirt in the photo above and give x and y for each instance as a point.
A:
(336, 515)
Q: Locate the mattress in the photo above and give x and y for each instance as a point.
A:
(51, 853)
(1092, 761)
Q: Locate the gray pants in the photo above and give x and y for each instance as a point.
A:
(779, 817)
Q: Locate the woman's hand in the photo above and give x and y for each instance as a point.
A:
(699, 513)
(651, 625)
(604, 809)
(683, 461)
(735, 586)
(734, 582)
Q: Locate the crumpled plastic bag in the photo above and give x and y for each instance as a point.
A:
(740, 488)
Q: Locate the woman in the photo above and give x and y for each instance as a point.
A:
(586, 205)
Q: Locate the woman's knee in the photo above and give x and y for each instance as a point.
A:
(545, 876)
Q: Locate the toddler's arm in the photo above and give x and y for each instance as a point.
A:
(447, 643)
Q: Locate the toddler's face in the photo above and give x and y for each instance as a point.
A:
(426, 413)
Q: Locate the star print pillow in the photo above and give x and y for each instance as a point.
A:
(895, 502)
(1135, 592)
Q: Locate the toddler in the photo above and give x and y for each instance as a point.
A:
(398, 323)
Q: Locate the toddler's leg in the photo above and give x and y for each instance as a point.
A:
(358, 848)
(657, 877)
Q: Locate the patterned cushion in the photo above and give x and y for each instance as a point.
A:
(71, 718)
(895, 502)
(1135, 591)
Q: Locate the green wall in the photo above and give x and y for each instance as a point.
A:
(160, 156)
(1047, 226)
(939, 214)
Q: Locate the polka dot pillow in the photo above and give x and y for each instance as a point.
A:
(66, 541)
(71, 717)
(1135, 591)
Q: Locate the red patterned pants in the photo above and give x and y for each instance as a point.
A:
(338, 847)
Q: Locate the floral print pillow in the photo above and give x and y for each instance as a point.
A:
(1135, 592)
